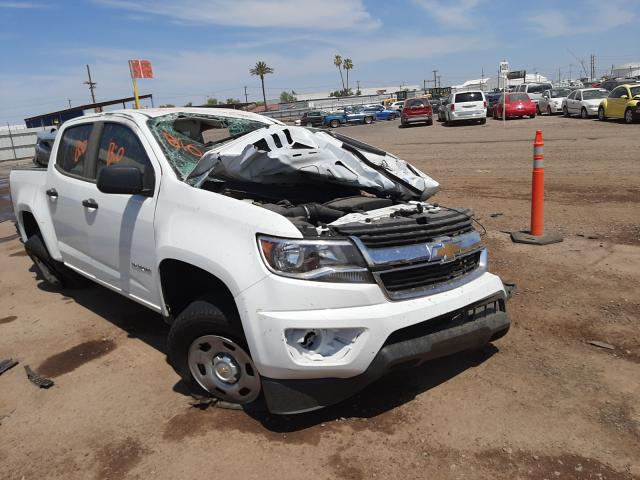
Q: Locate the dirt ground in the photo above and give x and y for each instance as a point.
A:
(542, 403)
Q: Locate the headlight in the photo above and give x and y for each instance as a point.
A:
(318, 260)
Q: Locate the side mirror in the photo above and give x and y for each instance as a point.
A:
(624, 97)
(120, 180)
(637, 97)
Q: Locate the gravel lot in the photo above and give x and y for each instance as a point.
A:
(541, 403)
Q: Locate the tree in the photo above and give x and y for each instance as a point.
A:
(190, 104)
(212, 101)
(337, 61)
(167, 105)
(231, 101)
(348, 65)
(260, 70)
(286, 97)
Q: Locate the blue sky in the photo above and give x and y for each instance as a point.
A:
(203, 48)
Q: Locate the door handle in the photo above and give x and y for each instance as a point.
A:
(90, 203)
(52, 192)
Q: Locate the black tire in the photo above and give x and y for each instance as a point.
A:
(483, 121)
(532, 116)
(202, 317)
(51, 271)
(368, 120)
(549, 112)
(601, 115)
(628, 116)
(334, 123)
(583, 113)
(565, 111)
(538, 109)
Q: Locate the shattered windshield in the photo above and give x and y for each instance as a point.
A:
(185, 137)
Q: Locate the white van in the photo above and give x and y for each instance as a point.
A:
(470, 105)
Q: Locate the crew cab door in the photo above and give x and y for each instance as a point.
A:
(121, 232)
(68, 184)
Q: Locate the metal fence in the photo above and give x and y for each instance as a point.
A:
(17, 142)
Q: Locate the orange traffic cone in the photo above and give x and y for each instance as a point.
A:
(536, 235)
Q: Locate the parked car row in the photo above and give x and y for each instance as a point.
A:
(349, 115)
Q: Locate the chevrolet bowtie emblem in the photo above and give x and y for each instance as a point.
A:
(445, 251)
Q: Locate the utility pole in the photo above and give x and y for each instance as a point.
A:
(245, 95)
(69, 100)
(570, 76)
(92, 87)
(358, 82)
(482, 80)
(559, 80)
(439, 84)
(593, 67)
(435, 78)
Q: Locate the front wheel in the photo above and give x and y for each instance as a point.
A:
(583, 113)
(334, 123)
(565, 111)
(368, 120)
(601, 116)
(549, 111)
(483, 121)
(209, 353)
(628, 116)
(538, 110)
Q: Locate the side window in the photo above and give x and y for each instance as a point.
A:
(119, 145)
(73, 149)
(572, 95)
(617, 93)
(578, 95)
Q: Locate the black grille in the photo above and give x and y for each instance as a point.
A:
(400, 280)
(418, 228)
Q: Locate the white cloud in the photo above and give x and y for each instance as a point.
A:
(592, 16)
(293, 14)
(21, 5)
(455, 13)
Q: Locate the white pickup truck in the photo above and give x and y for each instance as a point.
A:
(295, 265)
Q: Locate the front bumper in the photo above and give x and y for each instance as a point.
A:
(469, 327)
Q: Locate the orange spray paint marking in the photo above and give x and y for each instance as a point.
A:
(79, 150)
(179, 144)
(114, 154)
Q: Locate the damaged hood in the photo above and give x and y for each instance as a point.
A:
(284, 155)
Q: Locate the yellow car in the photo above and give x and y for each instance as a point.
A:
(622, 102)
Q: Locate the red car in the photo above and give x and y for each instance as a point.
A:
(416, 110)
(516, 105)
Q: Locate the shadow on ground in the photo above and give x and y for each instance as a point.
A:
(389, 392)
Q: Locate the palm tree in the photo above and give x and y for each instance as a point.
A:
(261, 69)
(348, 65)
(337, 61)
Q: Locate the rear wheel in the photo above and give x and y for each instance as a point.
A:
(430, 122)
(583, 113)
(51, 271)
(368, 120)
(628, 116)
(334, 123)
(209, 353)
(601, 115)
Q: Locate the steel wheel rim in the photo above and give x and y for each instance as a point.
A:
(628, 117)
(224, 369)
